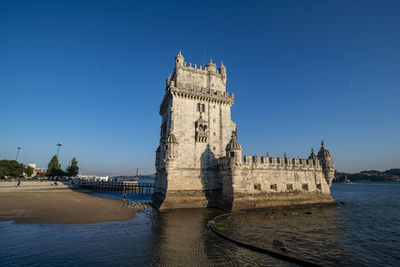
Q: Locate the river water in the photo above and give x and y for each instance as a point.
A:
(364, 231)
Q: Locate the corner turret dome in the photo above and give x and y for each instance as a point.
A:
(233, 143)
(323, 152)
(211, 66)
(179, 55)
(179, 59)
(222, 69)
(312, 155)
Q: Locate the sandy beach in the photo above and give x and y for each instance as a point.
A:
(41, 202)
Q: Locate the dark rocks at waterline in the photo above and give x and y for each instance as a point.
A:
(138, 206)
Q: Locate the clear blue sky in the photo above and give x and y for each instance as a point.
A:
(91, 74)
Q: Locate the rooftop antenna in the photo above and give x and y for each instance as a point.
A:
(204, 57)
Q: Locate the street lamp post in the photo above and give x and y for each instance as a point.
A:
(58, 147)
(18, 149)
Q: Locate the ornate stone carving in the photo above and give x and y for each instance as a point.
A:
(202, 130)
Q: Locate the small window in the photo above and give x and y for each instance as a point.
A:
(319, 187)
(231, 154)
(257, 187)
(289, 187)
(201, 107)
(305, 187)
(274, 187)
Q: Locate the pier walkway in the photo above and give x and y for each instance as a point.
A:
(128, 186)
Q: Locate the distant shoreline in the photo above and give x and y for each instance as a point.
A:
(392, 175)
(365, 181)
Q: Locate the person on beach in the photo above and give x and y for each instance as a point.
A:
(124, 195)
(19, 181)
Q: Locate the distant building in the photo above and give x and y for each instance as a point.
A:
(88, 177)
(36, 171)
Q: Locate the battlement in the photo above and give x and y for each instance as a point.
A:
(267, 162)
(280, 162)
(206, 70)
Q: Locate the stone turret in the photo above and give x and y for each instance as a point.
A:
(211, 66)
(179, 59)
(234, 150)
(325, 158)
(313, 155)
(222, 69)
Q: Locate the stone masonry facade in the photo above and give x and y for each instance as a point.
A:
(199, 160)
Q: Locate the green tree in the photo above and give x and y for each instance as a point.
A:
(11, 168)
(53, 168)
(73, 168)
(29, 171)
(3, 171)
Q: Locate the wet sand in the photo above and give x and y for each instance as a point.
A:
(36, 202)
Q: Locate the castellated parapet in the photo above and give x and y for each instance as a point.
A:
(199, 160)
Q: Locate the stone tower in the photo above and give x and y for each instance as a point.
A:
(195, 130)
(199, 160)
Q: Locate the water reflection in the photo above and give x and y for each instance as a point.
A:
(183, 239)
